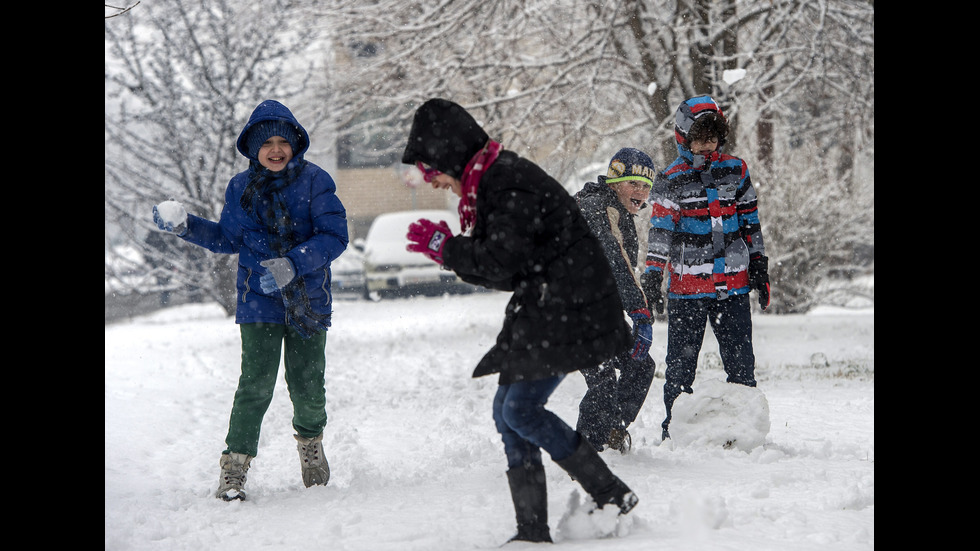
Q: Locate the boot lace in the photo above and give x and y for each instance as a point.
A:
(311, 453)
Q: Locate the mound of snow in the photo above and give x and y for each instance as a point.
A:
(723, 414)
(582, 521)
(696, 513)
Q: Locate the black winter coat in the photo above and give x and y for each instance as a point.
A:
(531, 238)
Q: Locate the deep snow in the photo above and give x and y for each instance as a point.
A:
(416, 463)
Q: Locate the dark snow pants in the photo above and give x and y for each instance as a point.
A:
(731, 322)
(611, 401)
(262, 346)
(526, 426)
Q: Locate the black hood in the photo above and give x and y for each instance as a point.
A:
(444, 136)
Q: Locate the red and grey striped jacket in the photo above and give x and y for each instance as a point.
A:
(704, 223)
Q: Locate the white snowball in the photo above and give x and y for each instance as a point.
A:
(731, 76)
(172, 212)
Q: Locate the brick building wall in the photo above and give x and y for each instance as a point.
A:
(368, 192)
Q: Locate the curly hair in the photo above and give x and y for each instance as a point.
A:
(709, 125)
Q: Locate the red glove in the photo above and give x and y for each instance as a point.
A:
(428, 238)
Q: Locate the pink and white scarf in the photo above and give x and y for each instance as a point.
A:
(471, 181)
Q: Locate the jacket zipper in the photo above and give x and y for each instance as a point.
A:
(247, 287)
(680, 273)
(326, 286)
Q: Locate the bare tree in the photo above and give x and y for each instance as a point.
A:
(814, 119)
(574, 75)
(181, 77)
(116, 11)
(567, 83)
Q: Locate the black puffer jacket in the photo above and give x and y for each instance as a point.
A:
(531, 238)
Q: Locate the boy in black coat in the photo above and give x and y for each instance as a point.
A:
(609, 206)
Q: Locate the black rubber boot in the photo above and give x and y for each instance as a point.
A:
(528, 488)
(585, 466)
(671, 392)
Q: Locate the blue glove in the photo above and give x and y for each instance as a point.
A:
(170, 216)
(642, 333)
(280, 273)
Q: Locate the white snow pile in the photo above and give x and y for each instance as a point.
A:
(582, 521)
(416, 464)
(721, 414)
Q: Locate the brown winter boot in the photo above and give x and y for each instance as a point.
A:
(316, 471)
(620, 440)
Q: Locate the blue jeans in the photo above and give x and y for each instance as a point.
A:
(526, 426)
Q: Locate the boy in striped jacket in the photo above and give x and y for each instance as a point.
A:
(706, 235)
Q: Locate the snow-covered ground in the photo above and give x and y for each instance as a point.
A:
(416, 463)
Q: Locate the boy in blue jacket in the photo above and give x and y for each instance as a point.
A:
(284, 220)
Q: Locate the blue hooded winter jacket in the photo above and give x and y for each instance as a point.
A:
(319, 226)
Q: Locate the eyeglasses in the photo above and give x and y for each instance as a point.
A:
(428, 173)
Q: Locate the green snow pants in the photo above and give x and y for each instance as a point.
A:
(262, 345)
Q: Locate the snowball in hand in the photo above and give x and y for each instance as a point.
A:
(172, 213)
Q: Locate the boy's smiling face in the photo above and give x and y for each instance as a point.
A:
(632, 194)
(275, 153)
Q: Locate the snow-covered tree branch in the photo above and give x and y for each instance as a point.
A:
(567, 83)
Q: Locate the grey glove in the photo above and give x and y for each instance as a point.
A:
(280, 273)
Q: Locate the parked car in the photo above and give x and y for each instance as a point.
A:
(347, 273)
(391, 269)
